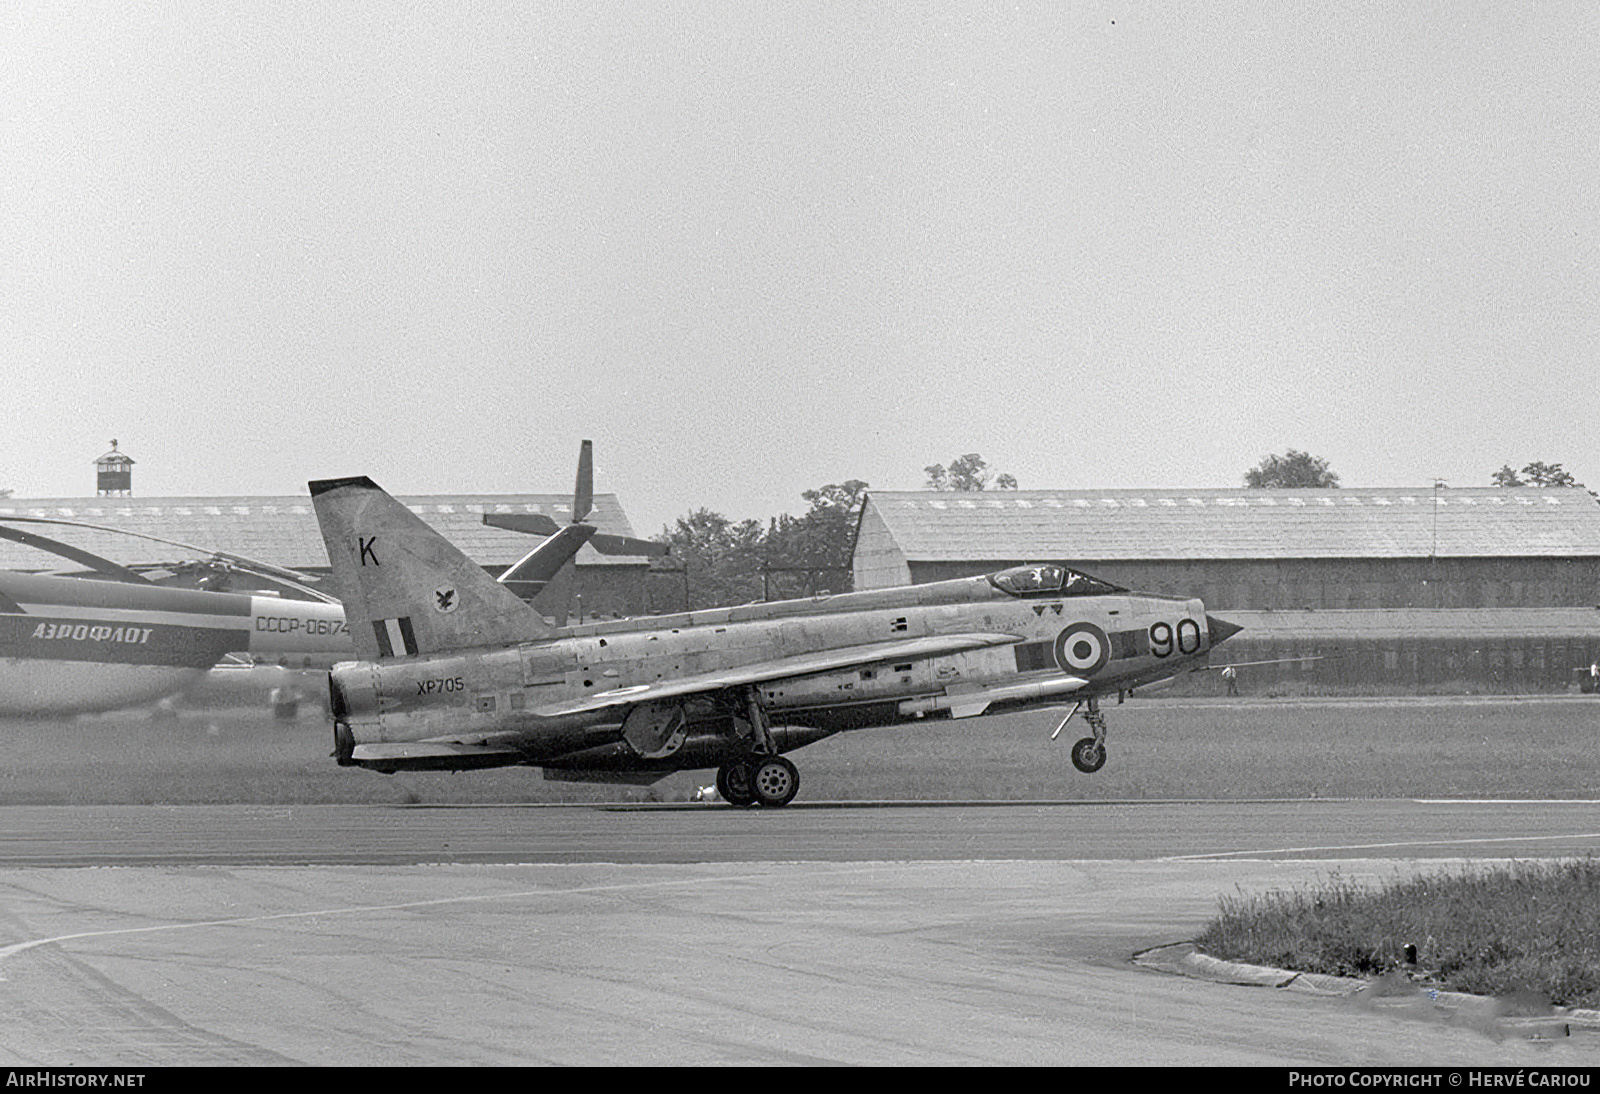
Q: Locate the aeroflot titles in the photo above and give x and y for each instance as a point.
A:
(87, 632)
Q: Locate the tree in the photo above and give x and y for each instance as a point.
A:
(1534, 474)
(1292, 470)
(718, 562)
(966, 473)
(836, 498)
(810, 555)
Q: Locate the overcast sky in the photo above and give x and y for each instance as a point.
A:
(752, 248)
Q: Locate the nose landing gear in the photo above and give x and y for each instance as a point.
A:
(1089, 754)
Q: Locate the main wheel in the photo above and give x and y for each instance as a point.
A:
(776, 781)
(734, 783)
(1088, 756)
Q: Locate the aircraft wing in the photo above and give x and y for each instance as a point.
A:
(776, 668)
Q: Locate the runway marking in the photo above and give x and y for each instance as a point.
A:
(1506, 801)
(19, 947)
(1375, 846)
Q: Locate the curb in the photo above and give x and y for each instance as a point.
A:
(1392, 991)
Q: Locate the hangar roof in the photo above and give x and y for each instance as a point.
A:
(282, 530)
(1395, 522)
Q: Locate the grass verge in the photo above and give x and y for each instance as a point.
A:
(1531, 926)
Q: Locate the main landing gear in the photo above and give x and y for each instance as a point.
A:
(1089, 754)
(760, 780)
(763, 777)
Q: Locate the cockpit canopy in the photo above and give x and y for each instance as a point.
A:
(1050, 579)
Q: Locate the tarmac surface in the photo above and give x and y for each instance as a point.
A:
(961, 934)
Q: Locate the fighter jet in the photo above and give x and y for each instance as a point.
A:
(456, 672)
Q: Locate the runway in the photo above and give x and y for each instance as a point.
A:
(281, 835)
(957, 934)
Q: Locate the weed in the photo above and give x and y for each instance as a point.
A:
(1492, 931)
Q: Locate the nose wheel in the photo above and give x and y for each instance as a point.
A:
(1089, 754)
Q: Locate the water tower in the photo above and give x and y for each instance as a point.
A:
(114, 474)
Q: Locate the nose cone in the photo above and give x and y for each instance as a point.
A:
(1220, 629)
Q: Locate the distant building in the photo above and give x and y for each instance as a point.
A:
(1415, 587)
(1256, 549)
(283, 531)
(114, 473)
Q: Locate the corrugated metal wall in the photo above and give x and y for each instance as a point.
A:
(1289, 584)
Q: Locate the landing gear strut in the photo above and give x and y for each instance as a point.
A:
(1089, 754)
(764, 777)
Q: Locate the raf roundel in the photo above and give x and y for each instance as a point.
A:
(1082, 649)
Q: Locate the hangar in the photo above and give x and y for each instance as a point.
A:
(283, 531)
(1410, 586)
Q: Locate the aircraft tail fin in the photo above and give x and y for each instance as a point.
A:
(544, 577)
(583, 492)
(540, 566)
(406, 589)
